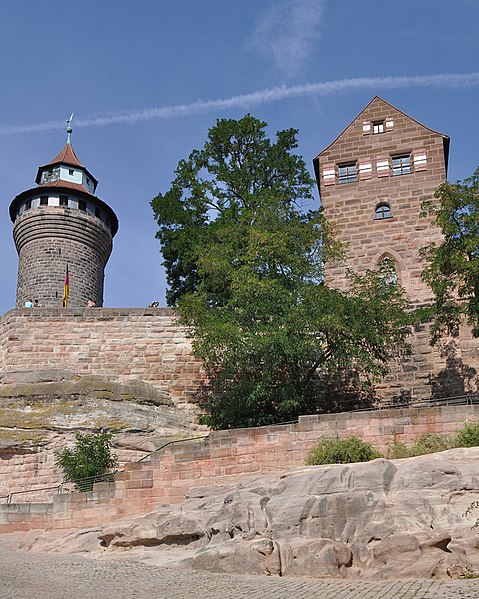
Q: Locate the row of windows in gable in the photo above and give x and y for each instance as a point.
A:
(393, 165)
(398, 165)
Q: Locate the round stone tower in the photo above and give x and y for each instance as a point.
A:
(61, 227)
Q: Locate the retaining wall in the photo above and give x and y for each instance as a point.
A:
(143, 344)
(224, 458)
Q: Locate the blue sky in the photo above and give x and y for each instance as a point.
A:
(147, 78)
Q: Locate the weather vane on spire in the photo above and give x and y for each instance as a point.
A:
(69, 129)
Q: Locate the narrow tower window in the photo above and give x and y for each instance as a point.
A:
(388, 271)
(63, 200)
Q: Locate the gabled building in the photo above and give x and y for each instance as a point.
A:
(372, 180)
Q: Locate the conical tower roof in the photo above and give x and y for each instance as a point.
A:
(67, 156)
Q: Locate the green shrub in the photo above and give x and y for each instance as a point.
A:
(468, 436)
(91, 459)
(431, 443)
(341, 451)
(424, 444)
(397, 450)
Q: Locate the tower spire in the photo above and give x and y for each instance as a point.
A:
(69, 129)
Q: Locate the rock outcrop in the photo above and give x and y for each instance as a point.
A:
(43, 408)
(382, 519)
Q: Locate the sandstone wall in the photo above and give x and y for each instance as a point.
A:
(223, 458)
(125, 344)
(351, 206)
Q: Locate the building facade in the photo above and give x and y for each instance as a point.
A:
(372, 180)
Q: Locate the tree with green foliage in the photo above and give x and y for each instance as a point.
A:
(244, 258)
(453, 265)
(91, 460)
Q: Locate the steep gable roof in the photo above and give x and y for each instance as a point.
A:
(368, 113)
(374, 104)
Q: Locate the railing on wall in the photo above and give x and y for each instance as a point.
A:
(86, 484)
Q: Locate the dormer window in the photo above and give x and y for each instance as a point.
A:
(347, 173)
(71, 172)
(378, 127)
(52, 174)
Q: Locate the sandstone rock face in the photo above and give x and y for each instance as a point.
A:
(382, 519)
(43, 408)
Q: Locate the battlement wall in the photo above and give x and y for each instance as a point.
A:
(122, 343)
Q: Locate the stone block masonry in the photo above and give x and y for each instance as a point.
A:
(47, 240)
(143, 344)
(224, 458)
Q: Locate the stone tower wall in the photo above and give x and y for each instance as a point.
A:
(49, 238)
(351, 206)
(451, 368)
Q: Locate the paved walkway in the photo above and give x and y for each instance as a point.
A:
(47, 576)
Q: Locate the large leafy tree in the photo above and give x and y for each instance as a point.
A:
(453, 265)
(244, 259)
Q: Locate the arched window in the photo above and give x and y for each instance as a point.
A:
(388, 270)
(383, 210)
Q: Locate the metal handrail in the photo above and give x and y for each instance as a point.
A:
(10, 495)
(171, 443)
(468, 399)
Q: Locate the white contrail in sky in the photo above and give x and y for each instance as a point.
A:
(263, 96)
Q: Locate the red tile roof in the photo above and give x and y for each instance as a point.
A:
(61, 183)
(67, 156)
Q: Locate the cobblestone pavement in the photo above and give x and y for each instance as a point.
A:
(47, 576)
